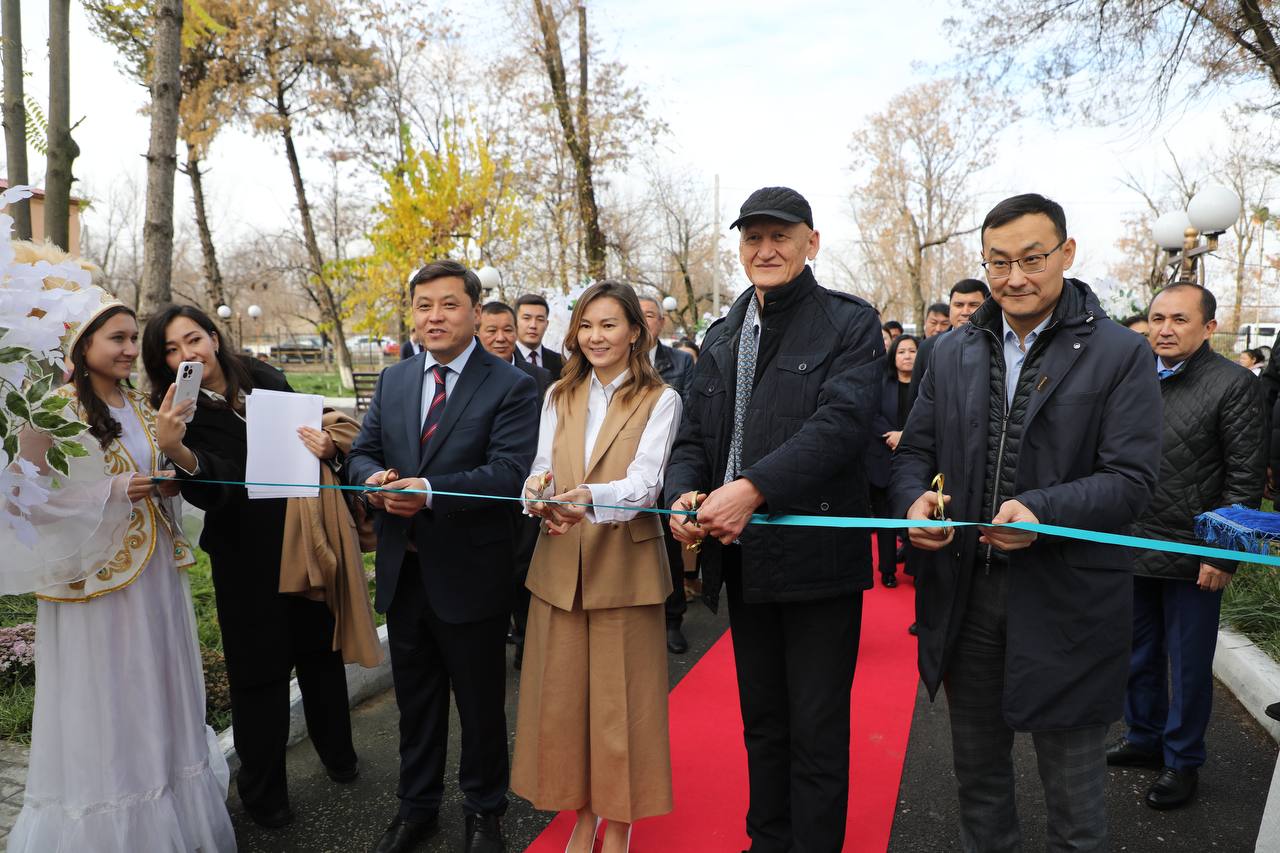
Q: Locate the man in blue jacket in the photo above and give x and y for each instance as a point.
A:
(1041, 409)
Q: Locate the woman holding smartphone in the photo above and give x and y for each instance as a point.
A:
(121, 757)
(591, 732)
(265, 635)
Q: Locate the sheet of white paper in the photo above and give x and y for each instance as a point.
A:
(276, 454)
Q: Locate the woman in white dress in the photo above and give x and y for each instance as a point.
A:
(121, 757)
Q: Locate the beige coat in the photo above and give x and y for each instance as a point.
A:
(321, 556)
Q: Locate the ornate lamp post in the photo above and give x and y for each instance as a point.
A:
(490, 281)
(1211, 212)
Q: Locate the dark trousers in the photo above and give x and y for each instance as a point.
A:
(260, 710)
(676, 604)
(527, 530)
(1072, 763)
(1175, 633)
(428, 657)
(886, 540)
(795, 665)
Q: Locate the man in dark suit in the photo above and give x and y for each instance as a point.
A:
(967, 296)
(452, 420)
(531, 322)
(410, 347)
(498, 336)
(676, 369)
(786, 379)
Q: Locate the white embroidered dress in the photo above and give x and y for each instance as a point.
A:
(121, 758)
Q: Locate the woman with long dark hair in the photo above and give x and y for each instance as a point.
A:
(886, 429)
(121, 757)
(597, 626)
(265, 634)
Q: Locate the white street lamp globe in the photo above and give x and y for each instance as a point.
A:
(669, 304)
(255, 312)
(490, 278)
(1169, 230)
(1214, 209)
(224, 311)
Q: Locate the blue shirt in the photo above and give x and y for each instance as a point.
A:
(1015, 353)
(1165, 372)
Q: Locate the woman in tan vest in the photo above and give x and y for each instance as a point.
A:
(591, 732)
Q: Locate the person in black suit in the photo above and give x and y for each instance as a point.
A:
(265, 634)
(452, 420)
(886, 429)
(409, 347)
(676, 369)
(498, 336)
(787, 379)
(531, 321)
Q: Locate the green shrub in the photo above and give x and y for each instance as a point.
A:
(1251, 605)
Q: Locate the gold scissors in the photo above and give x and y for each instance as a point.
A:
(940, 512)
(695, 547)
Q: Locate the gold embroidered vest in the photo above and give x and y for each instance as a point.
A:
(619, 564)
(145, 518)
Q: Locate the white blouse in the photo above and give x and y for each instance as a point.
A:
(643, 483)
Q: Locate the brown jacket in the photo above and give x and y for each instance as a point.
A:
(321, 556)
(621, 564)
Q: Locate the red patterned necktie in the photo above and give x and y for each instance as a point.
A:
(533, 357)
(436, 409)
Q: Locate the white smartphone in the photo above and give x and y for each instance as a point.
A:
(189, 375)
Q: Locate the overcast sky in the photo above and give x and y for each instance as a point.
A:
(758, 93)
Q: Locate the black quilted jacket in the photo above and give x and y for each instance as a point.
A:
(1214, 455)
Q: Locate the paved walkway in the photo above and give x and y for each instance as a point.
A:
(13, 781)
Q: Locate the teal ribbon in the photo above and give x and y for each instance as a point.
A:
(842, 522)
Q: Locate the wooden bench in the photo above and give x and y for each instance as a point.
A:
(365, 383)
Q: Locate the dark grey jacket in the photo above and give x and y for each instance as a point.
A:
(675, 367)
(1090, 450)
(1214, 456)
(805, 432)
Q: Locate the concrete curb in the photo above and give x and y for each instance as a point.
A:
(1254, 678)
(361, 684)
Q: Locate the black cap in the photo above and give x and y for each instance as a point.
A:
(778, 203)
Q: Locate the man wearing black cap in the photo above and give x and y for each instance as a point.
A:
(786, 380)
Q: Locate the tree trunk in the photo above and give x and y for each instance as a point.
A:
(214, 293)
(576, 138)
(162, 157)
(15, 114)
(330, 310)
(62, 148)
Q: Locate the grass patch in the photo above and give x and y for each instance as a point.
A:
(325, 384)
(17, 705)
(1251, 605)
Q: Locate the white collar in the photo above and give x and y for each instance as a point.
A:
(457, 365)
(524, 351)
(612, 386)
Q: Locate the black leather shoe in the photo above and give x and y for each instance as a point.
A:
(403, 835)
(344, 775)
(272, 820)
(484, 834)
(1273, 710)
(890, 581)
(1124, 754)
(676, 643)
(1173, 789)
(913, 630)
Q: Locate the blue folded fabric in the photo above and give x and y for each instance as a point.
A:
(1239, 528)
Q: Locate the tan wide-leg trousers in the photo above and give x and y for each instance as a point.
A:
(591, 730)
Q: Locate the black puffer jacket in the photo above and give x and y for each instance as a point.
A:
(1214, 455)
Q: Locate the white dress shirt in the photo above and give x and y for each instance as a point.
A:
(642, 485)
(429, 390)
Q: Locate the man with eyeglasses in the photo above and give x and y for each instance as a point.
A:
(1055, 405)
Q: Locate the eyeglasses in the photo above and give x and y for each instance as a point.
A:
(997, 270)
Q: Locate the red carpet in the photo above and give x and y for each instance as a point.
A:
(709, 762)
